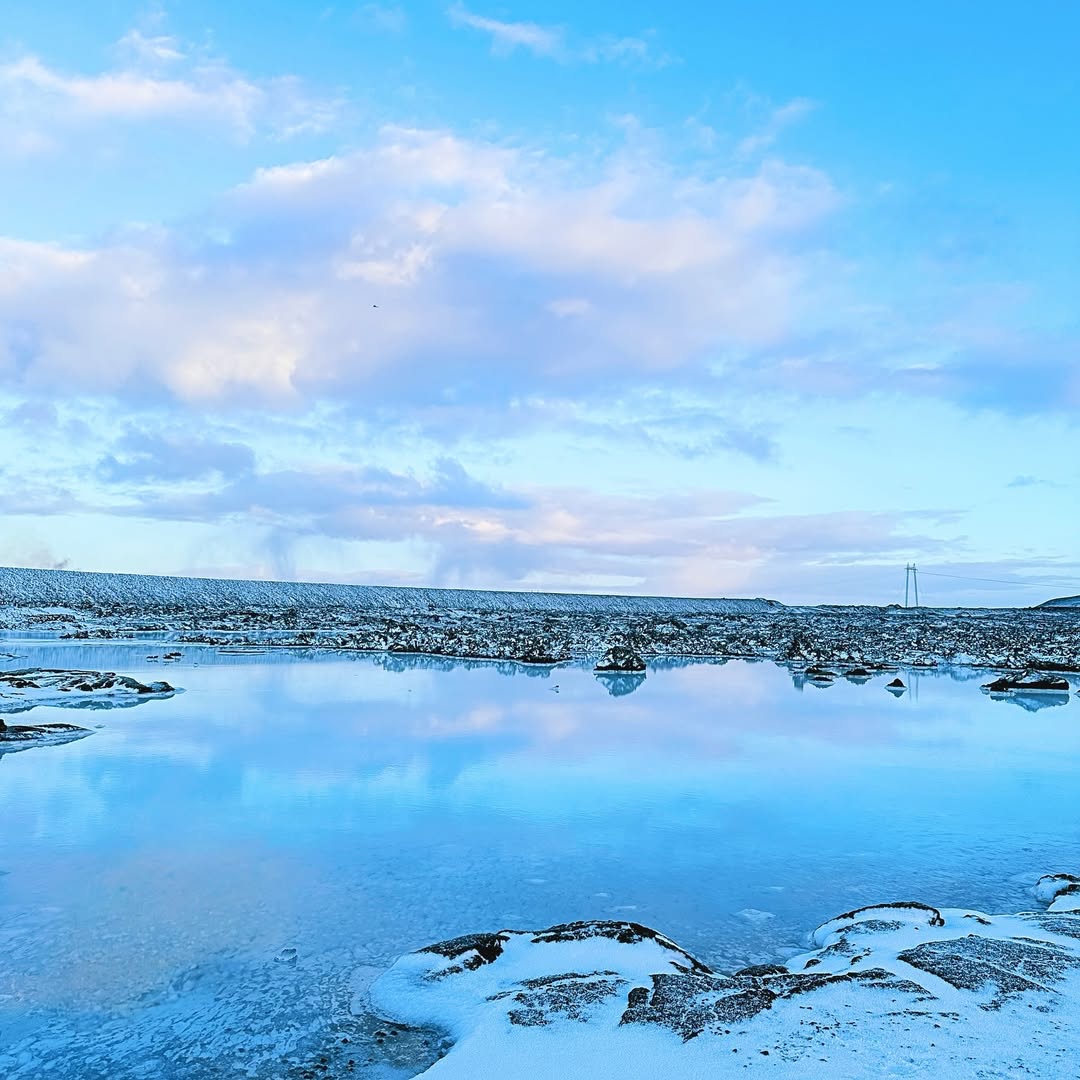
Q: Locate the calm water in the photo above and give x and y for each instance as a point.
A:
(354, 807)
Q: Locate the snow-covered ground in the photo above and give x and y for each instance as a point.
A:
(1062, 602)
(75, 590)
(900, 990)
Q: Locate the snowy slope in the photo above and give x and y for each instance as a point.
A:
(1062, 602)
(80, 591)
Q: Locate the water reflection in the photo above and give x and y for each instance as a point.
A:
(1031, 702)
(619, 684)
(353, 806)
(13, 706)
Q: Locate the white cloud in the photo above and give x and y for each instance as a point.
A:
(554, 43)
(422, 258)
(508, 36)
(779, 118)
(631, 51)
(385, 18)
(153, 49)
(154, 79)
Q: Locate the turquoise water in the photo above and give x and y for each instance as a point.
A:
(353, 807)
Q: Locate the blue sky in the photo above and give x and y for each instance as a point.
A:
(765, 299)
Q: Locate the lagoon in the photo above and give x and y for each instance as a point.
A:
(206, 885)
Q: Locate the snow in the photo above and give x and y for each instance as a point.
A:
(901, 990)
(1060, 891)
(78, 590)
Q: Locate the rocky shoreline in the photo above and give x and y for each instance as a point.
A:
(846, 638)
(535, 628)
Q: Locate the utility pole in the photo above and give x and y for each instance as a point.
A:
(911, 577)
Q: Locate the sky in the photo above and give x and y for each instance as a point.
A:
(741, 299)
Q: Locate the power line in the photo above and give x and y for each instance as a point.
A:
(1001, 581)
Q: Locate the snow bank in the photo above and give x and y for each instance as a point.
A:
(894, 990)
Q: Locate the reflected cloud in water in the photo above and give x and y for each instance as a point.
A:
(357, 805)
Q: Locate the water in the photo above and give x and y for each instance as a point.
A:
(155, 876)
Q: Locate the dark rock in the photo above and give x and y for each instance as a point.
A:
(570, 997)
(932, 915)
(1007, 967)
(15, 737)
(691, 1004)
(758, 970)
(625, 933)
(103, 689)
(620, 658)
(1007, 684)
(478, 949)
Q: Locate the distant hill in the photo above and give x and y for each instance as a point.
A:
(1062, 602)
(76, 590)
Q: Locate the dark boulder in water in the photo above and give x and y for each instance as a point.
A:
(1030, 683)
(620, 658)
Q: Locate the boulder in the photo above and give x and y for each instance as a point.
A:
(620, 659)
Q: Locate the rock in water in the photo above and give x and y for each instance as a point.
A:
(15, 737)
(620, 659)
(1031, 683)
(29, 687)
(895, 989)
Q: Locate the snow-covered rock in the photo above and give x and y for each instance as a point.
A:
(620, 659)
(893, 990)
(27, 688)
(15, 737)
(1028, 683)
(1060, 891)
